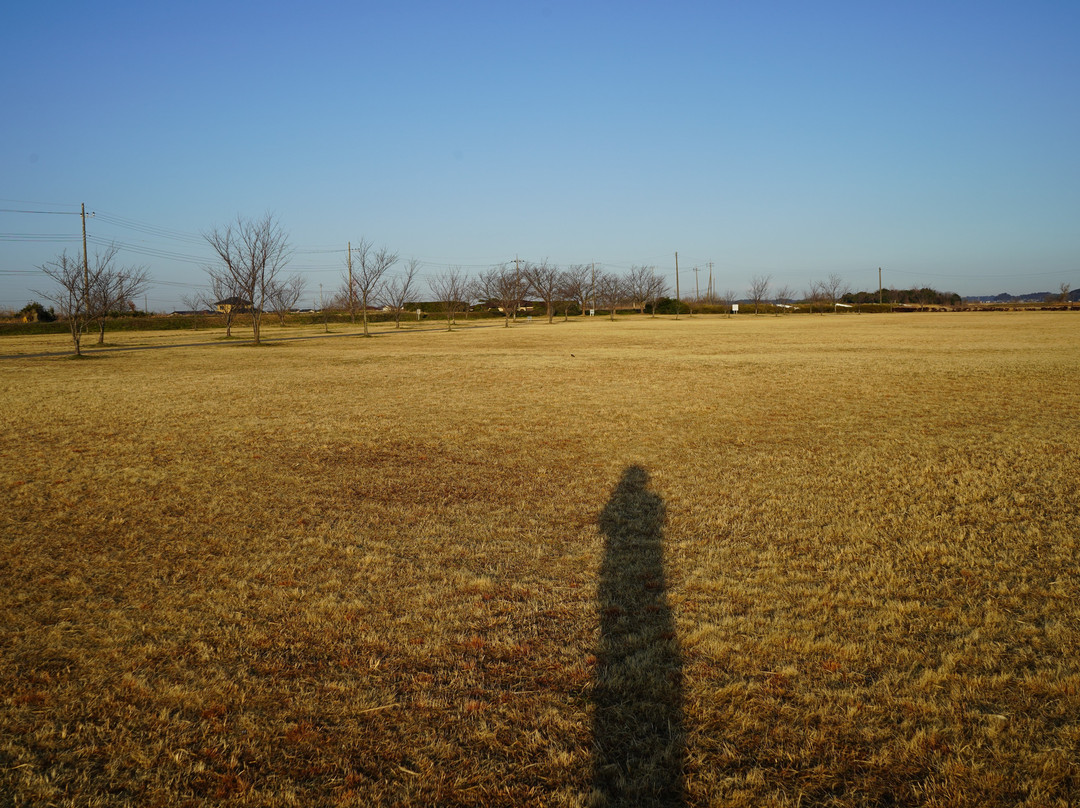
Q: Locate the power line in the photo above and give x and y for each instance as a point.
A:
(37, 237)
(152, 252)
(44, 212)
(151, 230)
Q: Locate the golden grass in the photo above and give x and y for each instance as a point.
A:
(795, 560)
(207, 331)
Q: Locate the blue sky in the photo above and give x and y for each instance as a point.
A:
(936, 140)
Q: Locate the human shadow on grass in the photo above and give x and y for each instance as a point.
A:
(638, 736)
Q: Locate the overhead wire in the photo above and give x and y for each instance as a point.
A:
(149, 229)
(37, 237)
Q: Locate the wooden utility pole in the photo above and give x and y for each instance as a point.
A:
(879, 298)
(352, 309)
(710, 293)
(677, 302)
(85, 265)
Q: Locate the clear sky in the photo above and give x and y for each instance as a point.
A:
(938, 140)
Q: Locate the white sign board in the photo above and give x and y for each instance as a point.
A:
(734, 308)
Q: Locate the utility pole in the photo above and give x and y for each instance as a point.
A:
(85, 265)
(697, 286)
(352, 309)
(678, 304)
(710, 293)
(879, 298)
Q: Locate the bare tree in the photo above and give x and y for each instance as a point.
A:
(113, 286)
(71, 294)
(450, 288)
(782, 296)
(472, 294)
(759, 289)
(563, 297)
(727, 299)
(85, 292)
(815, 294)
(574, 286)
(636, 286)
(284, 295)
(833, 288)
(194, 302)
(1065, 287)
(610, 291)
(252, 252)
(222, 291)
(505, 287)
(369, 267)
(543, 279)
(397, 289)
(656, 289)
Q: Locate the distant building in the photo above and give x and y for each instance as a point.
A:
(233, 305)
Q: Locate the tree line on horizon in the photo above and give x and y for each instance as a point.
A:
(251, 255)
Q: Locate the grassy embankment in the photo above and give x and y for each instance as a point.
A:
(768, 561)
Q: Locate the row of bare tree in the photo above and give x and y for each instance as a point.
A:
(252, 253)
(819, 293)
(507, 287)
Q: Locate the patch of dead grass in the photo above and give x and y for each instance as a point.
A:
(365, 572)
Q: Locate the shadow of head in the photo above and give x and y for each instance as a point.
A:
(633, 512)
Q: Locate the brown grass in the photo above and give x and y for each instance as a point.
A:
(747, 561)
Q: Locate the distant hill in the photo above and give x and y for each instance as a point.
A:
(1030, 297)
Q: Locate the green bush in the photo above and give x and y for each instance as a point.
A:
(35, 312)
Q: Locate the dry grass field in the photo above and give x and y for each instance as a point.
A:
(758, 561)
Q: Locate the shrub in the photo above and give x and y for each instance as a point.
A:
(34, 312)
